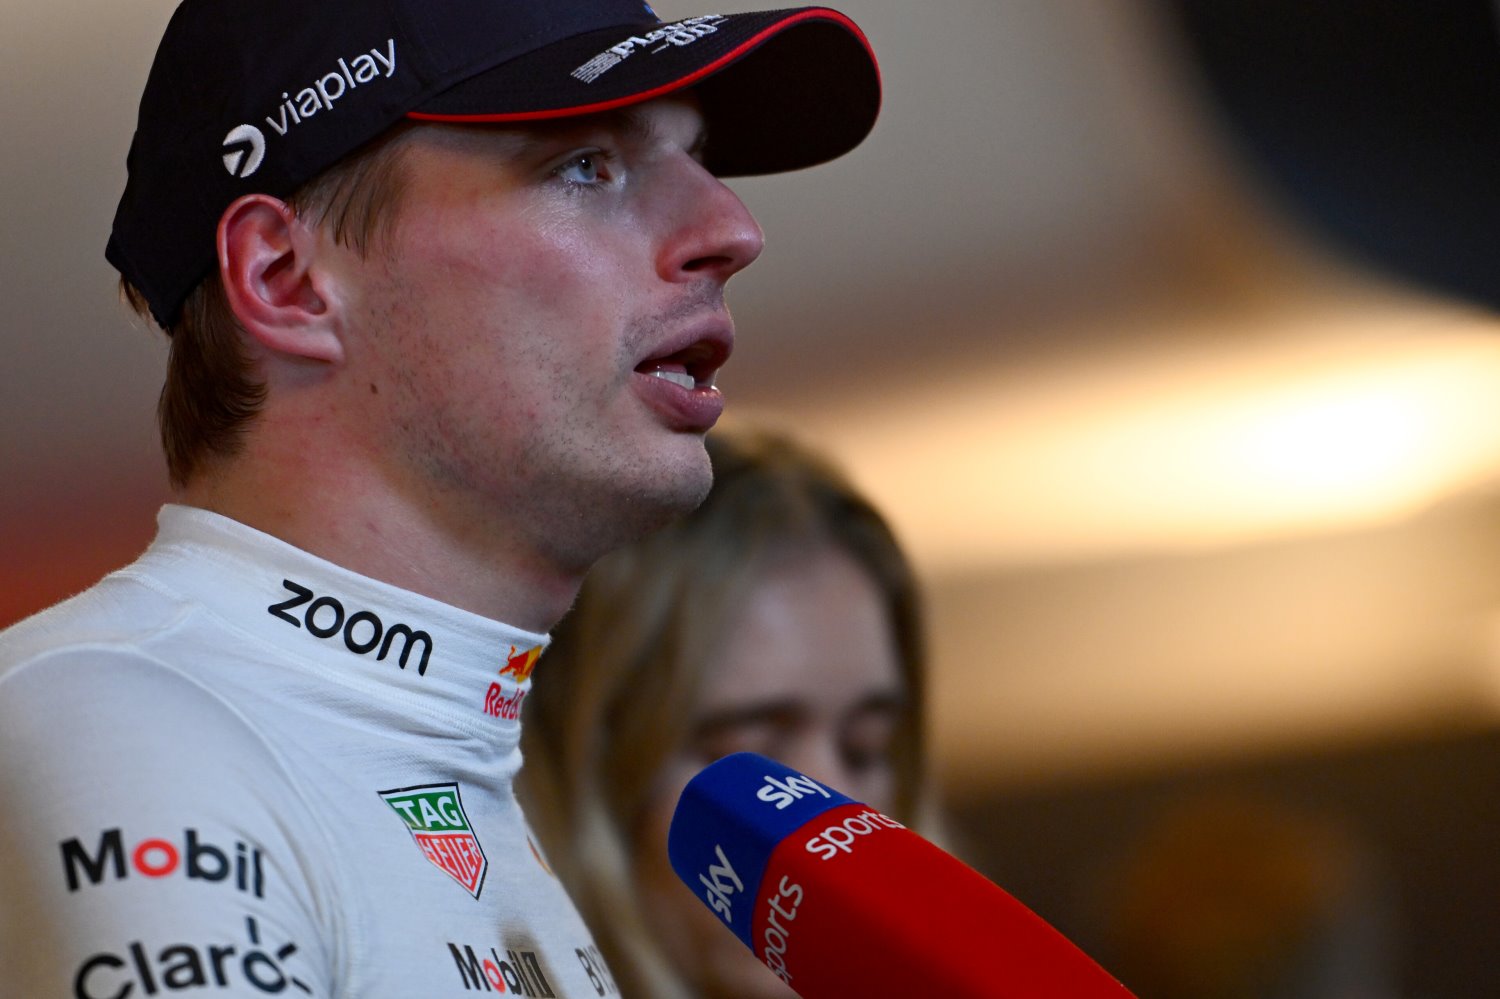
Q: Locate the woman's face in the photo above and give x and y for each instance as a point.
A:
(807, 673)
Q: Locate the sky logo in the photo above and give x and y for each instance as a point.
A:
(722, 883)
(782, 793)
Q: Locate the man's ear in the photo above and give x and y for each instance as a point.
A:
(269, 265)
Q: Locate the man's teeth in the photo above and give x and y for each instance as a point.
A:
(682, 378)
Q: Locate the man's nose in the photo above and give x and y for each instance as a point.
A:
(714, 234)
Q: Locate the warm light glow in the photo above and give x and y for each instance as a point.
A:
(1339, 443)
(1344, 420)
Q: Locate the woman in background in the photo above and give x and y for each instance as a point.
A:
(780, 617)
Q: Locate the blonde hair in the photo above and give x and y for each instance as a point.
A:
(617, 685)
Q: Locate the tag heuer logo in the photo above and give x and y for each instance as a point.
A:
(434, 814)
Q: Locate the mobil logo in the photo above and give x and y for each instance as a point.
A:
(519, 972)
(114, 858)
(434, 815)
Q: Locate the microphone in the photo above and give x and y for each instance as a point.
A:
(839, 900)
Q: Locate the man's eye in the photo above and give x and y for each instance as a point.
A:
(584, 169)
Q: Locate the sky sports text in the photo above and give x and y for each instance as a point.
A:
(784, 792)
(721, 884)
(828, 843)
(841, 837)
(778, 936)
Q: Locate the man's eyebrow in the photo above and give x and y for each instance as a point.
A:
(635, 123)
(632, 123)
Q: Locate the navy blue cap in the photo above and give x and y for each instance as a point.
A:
(261, 97)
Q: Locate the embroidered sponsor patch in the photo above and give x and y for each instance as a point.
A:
(518, 667)
(434, 815)
(677, 34)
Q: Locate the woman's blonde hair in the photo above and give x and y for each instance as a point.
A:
(616, 688)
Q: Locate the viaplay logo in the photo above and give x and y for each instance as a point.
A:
(244, 150)
(245, 145)
(434, 815)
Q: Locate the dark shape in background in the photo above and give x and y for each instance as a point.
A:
(1426, 807)
(1377, 122)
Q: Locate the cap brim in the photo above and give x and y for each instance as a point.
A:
(780, 89)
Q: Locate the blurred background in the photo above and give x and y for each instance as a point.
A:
(1164, 332)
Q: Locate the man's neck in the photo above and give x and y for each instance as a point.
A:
(467, 564)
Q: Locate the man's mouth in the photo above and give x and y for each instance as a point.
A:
(692, 368)
(677, 383)
(682, 378)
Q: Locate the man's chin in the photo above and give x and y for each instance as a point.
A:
(676, 487)
(678, 492)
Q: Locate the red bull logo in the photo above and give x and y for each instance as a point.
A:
(499, 704)
(502, 703)
(518, 665)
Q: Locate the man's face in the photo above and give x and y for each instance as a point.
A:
(533, 345)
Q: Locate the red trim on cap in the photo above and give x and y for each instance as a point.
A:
(821, 14)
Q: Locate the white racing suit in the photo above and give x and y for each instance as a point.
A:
(233, 769)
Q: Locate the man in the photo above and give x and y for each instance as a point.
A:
(444, 282)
